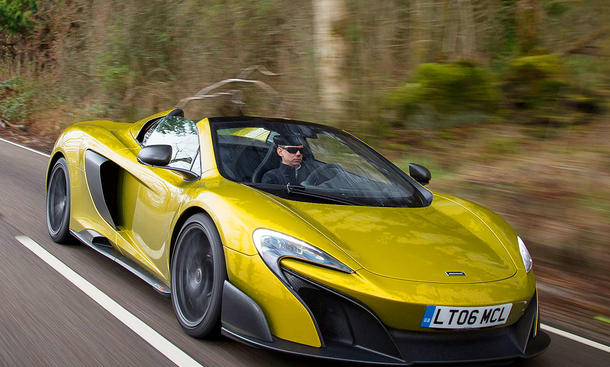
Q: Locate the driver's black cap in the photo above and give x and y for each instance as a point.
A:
(287, 140)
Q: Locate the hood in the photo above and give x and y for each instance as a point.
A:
(418, 244)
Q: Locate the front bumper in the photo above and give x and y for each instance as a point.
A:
(349, 331)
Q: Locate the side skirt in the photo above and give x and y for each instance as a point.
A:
(102, 245)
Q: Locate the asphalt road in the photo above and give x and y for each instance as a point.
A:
(45, 320)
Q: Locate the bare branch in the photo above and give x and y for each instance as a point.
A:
(260, 68)
(236, 95)
(221, 83)
(194, 98)
(4, 124)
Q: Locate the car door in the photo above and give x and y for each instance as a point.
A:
(157, 193)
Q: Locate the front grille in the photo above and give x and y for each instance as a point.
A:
(341, 320)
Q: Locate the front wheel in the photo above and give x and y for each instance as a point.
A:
(58, 202)
(197, 276)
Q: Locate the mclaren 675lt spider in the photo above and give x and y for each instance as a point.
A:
(296, 237)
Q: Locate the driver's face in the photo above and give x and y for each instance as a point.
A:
(288, 158)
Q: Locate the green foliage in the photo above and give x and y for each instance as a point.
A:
(588, 72)
(442, 95)
(16, 99)
(544, 90)
(505, 41)
(137, 56)
(16, 15)
(534, 81)
(555, 8)
(116, 75)
(501, 146)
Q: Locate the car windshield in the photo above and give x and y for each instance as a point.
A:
(309, 162)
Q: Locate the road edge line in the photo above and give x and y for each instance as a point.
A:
(147, 333)
(575, 337)
(24, 147)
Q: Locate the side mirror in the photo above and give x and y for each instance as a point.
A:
(155, 155)
(419, 173)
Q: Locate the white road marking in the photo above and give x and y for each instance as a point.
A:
(156, 340)
(577, 338)
(26, 148)
(545, 327)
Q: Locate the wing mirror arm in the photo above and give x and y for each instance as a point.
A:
(159, 156)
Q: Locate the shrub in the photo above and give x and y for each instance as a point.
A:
(16, 16)
(534, 81)
(16, 100)
(540, 89)
(443, 95)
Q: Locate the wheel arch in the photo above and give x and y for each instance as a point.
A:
(54, 159)
(186, 214)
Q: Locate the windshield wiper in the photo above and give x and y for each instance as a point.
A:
(301, 190)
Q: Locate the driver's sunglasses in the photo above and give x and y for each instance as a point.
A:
(292, 149)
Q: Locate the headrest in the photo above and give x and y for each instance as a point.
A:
(176, 112)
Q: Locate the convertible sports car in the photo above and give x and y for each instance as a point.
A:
(349, 259)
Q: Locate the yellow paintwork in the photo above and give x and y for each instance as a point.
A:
(399, 255)
(407, 243)
(401, 304)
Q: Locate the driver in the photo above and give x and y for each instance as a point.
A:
(290, 171)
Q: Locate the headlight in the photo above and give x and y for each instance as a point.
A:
(273, 246)
(525, 255)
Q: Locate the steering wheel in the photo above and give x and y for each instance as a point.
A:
(322, 174)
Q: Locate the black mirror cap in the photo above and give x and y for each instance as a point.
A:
(155, 155)
(420, 173)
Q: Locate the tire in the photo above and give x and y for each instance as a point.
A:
(198, 273)
(58, 202)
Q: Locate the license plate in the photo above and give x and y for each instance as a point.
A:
(447, 317)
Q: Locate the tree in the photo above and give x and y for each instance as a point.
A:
(528, 19)
(331, 50)
(15, 15)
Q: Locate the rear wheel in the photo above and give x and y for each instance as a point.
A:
(197, 276)
(58, 202)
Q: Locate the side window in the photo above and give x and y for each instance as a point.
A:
(143, 136)
(182, 135)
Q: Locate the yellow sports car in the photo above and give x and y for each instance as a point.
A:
(296, 237)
